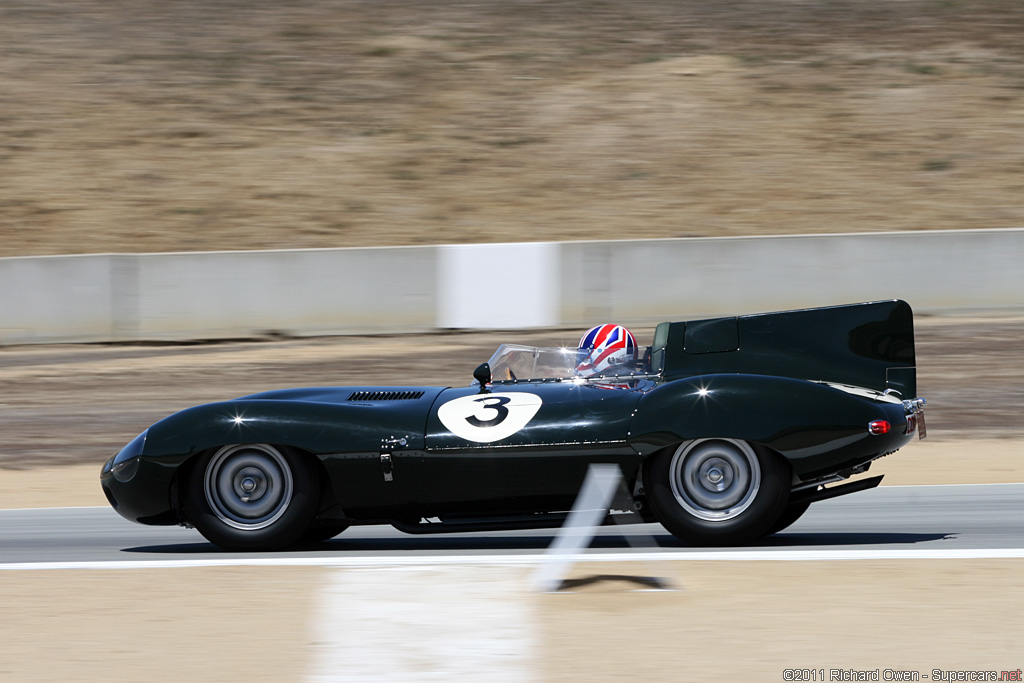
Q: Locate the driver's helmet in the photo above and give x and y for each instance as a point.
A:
(604, 349)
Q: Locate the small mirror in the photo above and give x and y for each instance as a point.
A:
(482, 374)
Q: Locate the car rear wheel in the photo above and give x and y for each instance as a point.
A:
(252, 497)
(717, 491)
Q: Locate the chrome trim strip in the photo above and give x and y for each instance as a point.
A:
(488, 447)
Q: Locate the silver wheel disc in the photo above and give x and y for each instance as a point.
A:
(248, 486)
(715, 479)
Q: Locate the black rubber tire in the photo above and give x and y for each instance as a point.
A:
(293, 513)
(790, 514)
(762, 499)
(319, 534)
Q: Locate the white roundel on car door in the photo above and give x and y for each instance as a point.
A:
(486, 418)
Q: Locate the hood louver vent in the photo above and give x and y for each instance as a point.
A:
(385, 395)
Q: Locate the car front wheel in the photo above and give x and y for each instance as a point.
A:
(252, 497)
(717, 491)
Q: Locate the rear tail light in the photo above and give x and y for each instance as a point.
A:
(879, 427)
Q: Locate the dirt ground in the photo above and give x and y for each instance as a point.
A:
(216, 624)
(728, 621)
(199, 125)
(734, 621)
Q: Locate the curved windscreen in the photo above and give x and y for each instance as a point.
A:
(512, 362)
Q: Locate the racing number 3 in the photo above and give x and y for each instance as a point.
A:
(498, 406)
(486, 418)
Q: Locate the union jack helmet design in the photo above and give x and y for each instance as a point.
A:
(605, 347)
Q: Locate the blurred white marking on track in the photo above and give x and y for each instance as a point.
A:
(576, 534)
(419, 624)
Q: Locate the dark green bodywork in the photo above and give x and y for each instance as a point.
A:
(757, 378)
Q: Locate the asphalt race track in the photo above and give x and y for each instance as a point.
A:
(910, 519)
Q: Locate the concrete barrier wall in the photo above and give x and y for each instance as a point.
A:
(677, 279)
(217, 294)
(498, 286)
(57, 298)
(300, 292)
(115, 297)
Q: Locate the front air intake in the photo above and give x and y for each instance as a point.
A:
(385, 395)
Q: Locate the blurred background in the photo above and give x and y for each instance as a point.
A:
(138, 126)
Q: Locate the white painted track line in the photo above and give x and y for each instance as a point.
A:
(532, 559)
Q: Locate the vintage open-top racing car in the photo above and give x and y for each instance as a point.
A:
(725, 430)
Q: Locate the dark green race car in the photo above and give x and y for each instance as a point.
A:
(725, 430)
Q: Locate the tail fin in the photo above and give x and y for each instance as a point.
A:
(868, 345)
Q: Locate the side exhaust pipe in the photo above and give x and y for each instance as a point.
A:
(823, 493)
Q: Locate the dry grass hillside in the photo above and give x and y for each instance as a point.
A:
(244, 124)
